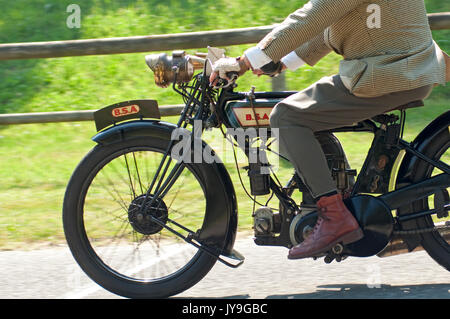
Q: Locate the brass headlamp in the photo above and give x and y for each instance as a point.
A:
(167, 68)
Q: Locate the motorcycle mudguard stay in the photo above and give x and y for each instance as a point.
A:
(220, 225)
(420, 143)
(405, 173)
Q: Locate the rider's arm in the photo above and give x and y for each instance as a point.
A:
(314, 50)
(257, 59)
(310, 53)
(304, 25)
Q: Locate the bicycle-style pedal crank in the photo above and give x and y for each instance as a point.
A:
(336, 253)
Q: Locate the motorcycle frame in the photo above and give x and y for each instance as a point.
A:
(197, 108)
(367, 126)
(394, 199)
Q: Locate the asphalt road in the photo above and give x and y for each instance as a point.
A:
(51, 273)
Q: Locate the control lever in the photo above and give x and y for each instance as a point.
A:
(224, 83)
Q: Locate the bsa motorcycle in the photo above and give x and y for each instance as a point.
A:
(146, 214)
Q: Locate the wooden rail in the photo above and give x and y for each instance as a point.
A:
(166, 42)
(192, 40)
(70, 116)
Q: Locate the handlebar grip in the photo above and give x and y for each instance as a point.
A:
(233, 76)
(224, 83)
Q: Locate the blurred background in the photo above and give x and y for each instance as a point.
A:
(36, 160)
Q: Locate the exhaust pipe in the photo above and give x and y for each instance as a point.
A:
(397, 246)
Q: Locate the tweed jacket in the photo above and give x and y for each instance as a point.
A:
(386, 45)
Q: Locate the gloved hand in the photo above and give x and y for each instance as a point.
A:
(228, 69)
(273, 69)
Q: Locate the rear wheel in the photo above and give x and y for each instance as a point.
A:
(437, 242)
(118, 244)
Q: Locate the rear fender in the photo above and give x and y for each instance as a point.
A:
(406, 172)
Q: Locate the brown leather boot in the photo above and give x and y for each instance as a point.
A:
(335, 225)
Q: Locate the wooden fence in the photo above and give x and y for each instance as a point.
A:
(168, 42)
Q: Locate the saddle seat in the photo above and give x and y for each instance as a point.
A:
(409, 105)
(386, 118)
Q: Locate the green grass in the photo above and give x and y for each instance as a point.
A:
(36, 161)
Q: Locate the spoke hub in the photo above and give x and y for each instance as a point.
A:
(141, 220)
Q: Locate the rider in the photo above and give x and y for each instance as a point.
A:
(390, 59)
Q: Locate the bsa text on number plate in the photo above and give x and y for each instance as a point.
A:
(252, 117)
(125, 110)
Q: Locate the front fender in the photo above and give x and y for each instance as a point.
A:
(133, 129)
(220, 224)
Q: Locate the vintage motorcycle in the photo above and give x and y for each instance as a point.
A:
(146, 215)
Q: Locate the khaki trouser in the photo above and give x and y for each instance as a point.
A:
(326, 104)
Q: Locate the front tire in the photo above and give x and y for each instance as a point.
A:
(124, 251)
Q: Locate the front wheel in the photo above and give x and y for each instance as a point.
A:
(119, 245)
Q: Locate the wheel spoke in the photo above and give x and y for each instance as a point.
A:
(137, 172)
(129, 176)
(130, 237)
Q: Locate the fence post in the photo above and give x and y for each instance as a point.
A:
(279, 83)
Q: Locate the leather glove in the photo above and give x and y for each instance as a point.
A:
(272, 69)
(227, 65)
(228, 69)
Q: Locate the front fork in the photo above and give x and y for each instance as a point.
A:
(165, 178)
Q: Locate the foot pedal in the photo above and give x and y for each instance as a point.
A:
(235, 256)
(337, 249)
(335, 254)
